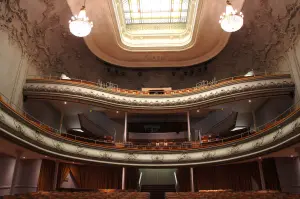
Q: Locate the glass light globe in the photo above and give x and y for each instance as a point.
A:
(80, 25)
(231, 21)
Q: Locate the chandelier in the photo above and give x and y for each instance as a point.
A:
(231, 21)
(80, 25)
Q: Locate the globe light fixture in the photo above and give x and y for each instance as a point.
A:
(231, 20)
(80, 25)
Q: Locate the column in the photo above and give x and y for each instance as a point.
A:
(125, 128)
(189, 126)
(55, 175)
(254, 121)
(294, 65)
(15, 174)
(123, 178)
(261, 174)
(200, 138)
(192, 179)
(61, 121)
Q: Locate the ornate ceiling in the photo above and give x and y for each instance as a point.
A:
(40, 29)
(110, 39)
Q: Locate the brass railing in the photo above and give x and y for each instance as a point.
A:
(196, 88)
(182, 146)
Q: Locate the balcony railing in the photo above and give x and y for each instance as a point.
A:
(197, 88)
(277, 121)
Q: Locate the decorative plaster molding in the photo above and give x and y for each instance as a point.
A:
(170, 37)
(56, 145)
(41, 32)
(56, 89)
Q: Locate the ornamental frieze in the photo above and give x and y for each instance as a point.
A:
(58, 146)
(45, 88)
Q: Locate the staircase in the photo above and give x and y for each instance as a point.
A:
(158, 191)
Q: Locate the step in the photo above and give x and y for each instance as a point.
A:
(158, 191)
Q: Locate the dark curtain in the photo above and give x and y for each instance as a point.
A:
(183, 178)
(46, 176)
(75, 172)
(100, 177)
(270, 174)
(92, 177)
(132, 178)
(238, 177)
(63, 171)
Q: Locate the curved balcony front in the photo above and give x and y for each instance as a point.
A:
(276, 134)
(224, 91)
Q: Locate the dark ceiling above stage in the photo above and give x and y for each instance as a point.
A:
(157, 127)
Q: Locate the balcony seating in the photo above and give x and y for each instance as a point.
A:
(173, 92)
(206, 141)
(82, 195)
(231, 195)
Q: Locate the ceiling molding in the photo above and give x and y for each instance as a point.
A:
(39, 29)
(157, 37)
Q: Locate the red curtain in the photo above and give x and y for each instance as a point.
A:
(63, 171)
(132, 177)
(238, 177)
(75, 171)
(46, 176)
(183, 178)
(270, 174)
(100, 177)
(92, 177)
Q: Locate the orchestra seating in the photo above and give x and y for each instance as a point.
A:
(231, 195)
(82, 195)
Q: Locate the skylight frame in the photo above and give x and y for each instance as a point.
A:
(155, 11)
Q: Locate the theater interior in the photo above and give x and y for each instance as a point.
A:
(150, 99)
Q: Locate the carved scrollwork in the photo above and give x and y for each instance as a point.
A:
(131, 157)
(2, 118)
(259, 143)
(296, 126)
(105, 156)
(157, 157)
(19, 127)
(58, 145)
(235, 149)
(278, 134)
(81, 151)
(184, 157)
(38, 137)
(208, 155)
(141, 101)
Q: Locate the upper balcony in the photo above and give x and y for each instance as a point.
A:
(204, 94)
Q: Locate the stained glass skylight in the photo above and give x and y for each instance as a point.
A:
(155, 11)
